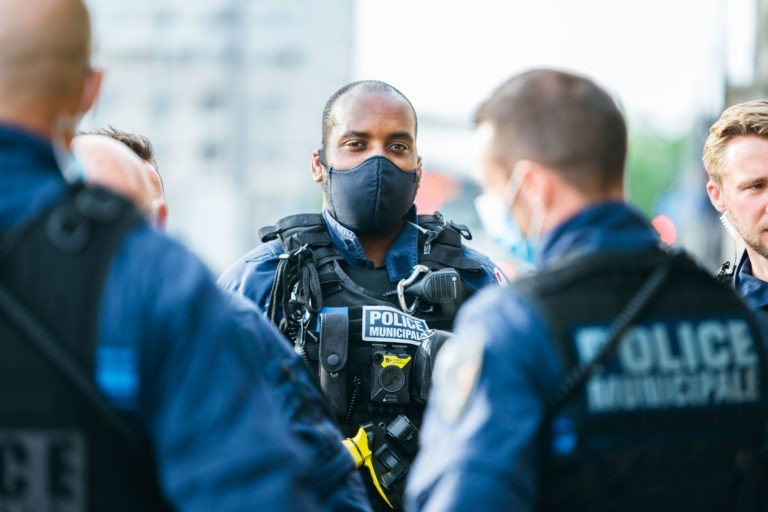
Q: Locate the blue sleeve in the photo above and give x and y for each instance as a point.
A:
(253, 274)
(171, 352)
(487, 455)
(338, 485)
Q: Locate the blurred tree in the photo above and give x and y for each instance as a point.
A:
(653, 166)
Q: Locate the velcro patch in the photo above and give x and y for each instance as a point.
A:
(389, 325)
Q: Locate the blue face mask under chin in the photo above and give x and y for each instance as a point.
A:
(503, 228)
(372, 197)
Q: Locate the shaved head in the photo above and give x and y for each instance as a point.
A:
(45, 48)
(113, 165)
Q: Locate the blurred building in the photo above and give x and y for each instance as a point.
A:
(231, 94)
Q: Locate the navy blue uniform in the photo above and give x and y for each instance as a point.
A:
(252, 276)
(170, 356)
(753, 290)
(480, 446)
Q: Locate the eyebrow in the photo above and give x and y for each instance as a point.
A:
(401, 135)
(353, 133)
(749, 181)
(366, 135)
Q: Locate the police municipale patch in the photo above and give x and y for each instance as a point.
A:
(457, 370)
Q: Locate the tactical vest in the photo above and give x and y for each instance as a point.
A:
(674, 418)
(58, 452)
(350, 327)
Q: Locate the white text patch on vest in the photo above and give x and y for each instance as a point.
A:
(387, 324)
(673, 365)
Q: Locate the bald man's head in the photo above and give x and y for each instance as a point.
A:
(45, 48)
(113, 165)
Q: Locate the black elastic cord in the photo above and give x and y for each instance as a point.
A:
(578, 377)
(52, 351)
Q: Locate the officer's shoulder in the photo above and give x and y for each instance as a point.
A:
(160, 257)
(268, 251)
(491, 270)
(493, 304)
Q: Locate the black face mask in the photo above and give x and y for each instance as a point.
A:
(372, 197)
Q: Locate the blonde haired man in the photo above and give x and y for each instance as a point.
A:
(736, 159)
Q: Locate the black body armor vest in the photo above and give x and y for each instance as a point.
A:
(57, 451)
(348, 324)
(674, 418)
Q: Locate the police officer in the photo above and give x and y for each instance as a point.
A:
(734, 156)
(357, 287)
(618, 376)
(123, 381)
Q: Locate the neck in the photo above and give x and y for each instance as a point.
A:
(377, 245)
(569, 202)
(31, 120)
(759, 265)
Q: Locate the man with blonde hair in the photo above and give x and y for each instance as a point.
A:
(736, 159)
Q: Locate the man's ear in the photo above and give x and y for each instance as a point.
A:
(91, 90)
(316, 167)
(418, 170)
(536, 180)
(160, 212)
(715, 193)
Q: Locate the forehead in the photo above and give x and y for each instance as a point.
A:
(746, 154)
(372, 111)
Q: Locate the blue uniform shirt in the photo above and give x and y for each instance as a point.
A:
(171, 354)
(518, 367)
(754, 291)
(252, 276)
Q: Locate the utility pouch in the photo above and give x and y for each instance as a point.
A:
(333, 352)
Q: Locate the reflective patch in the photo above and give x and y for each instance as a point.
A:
(455, 376)
(387, 324)
(42, 470)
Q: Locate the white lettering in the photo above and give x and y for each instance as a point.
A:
(686, 336)
(712, 334)
(635, 352)
(743, 344)
(589, 341)
(667, 360)
(375, 316)
(628, 393)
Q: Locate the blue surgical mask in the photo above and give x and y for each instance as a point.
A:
(502, 227)
(69, 165)
(372, 197)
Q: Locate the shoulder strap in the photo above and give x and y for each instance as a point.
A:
(307, 245)
(50, 349)
(440, 243)
(579, 375)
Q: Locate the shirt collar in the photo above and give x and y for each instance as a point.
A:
(606, 226)
(29, 176)
(399, 260)
(753, 290)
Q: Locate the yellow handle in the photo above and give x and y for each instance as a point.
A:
(362, 455)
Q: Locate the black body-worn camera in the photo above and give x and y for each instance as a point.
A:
(391, 374)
